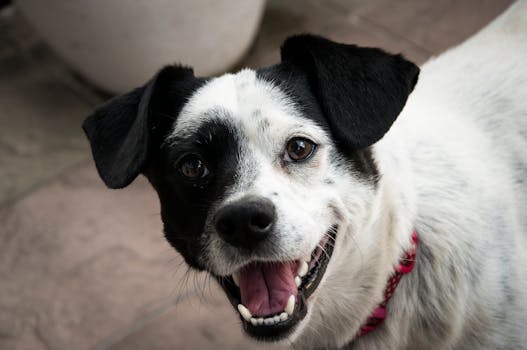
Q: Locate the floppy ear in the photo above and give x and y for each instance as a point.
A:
(361, 90)
(121, 130)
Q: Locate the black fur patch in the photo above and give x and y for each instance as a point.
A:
(329, 181)
(185, 203)
(128, 128)
(263, 125)
(361, 91)
(295, 84)
(355, 93)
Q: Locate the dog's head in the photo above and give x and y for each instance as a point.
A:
(266, 177)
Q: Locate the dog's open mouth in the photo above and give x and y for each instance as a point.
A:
(271, 296)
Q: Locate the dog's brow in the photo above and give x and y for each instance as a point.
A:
(217, 112)
(214, 114)
(212, 130)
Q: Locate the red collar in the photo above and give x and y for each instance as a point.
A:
(406, 265)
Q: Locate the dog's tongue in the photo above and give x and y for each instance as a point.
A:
(266, 287)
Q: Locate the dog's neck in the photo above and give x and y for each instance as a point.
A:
(398, 198)
(397, 186)
(405, 266)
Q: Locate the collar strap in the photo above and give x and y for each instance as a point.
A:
(405, 266)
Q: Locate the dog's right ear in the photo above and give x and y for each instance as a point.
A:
(121, 130)
(361, 90)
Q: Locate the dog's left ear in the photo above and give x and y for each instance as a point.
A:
(124, 131)
(361, 90)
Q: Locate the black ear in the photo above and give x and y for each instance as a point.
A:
(360, 90)
(121, 130)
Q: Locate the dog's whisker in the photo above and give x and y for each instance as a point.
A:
(323, 249)
(251, 168)
(182, 285)
(331, 237)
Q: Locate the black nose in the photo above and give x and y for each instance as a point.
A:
(246, 222)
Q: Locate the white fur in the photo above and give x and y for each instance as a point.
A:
(301, 227)
(453, 167)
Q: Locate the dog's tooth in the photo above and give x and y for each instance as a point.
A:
(307, 258)
(283, 316)
(298, 281)
(302, 269)
(290, 306)
(260, 321)
(268, 321)
(236, 278)
(246, 314)
(254, 321)
(276, 319)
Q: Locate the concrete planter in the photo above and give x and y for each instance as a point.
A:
(119, 44)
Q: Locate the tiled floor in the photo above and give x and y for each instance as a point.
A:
(82, 267)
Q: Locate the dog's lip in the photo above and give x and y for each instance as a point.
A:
(309, 284)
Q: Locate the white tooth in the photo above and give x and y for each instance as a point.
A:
(307, 258)
(298, 281)
(290, 306)
(260, 321)
(236, 278)
(246, 314)
(283, 316)
(268, 321)
(302, 269)
(276, 319)
(254, 321)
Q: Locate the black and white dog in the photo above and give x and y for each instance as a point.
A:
(297, 188)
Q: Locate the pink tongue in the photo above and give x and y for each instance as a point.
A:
(266, 287)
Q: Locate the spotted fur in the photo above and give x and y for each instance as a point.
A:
(451, 164)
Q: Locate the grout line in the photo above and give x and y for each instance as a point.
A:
(21, 195)
(341, 10)
(397, 35)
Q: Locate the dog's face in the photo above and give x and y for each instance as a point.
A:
(266, 178)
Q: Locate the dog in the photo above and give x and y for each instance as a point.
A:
(344, 198)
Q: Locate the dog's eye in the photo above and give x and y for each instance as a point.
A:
(192, 166)
(299, 148)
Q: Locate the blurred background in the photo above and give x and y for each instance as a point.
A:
(83, 267)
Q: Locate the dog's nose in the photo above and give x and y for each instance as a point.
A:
(246, 222)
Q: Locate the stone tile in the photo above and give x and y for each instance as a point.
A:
(76, 277)
(284, 18)
(82, 267)
(433, 24)
(336, 19)
(6, 46)
(343, 7)
(15, 32)
(416, 28)
(80, 263)
(40, 122)
(198, 323)
(42, 111)
(356, 30)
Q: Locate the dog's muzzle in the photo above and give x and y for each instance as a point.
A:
(270, 296)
